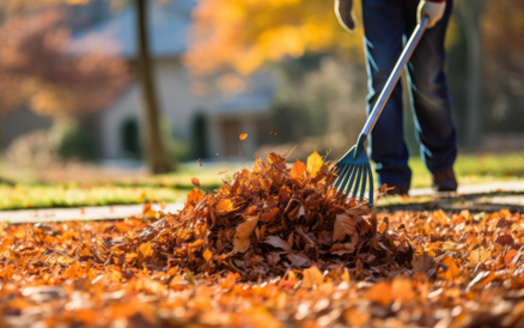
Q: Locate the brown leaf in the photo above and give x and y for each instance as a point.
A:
(277, 242)
(344, 226)
(195, 181)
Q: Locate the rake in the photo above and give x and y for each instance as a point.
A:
(353, 168)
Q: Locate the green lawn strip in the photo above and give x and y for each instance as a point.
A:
(470, 169)
(42, 196)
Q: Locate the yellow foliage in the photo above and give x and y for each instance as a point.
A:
(245, 34)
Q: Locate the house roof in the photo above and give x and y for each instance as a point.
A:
(168, 28)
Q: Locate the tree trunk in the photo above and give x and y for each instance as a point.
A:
(156, 154)
(470, 14)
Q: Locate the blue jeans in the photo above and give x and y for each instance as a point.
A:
(387, 25)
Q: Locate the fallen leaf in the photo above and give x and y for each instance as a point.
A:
(314, 163)
(312, 277)
(344, 226)
(241, 241)
(380, 293)
(298, 169)
(207, 255)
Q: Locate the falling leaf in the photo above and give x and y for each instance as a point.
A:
(222, 172)
(199, 162)
(273, 133)
(195, 181)
(163, 205)
(243, 136)
(314, 163)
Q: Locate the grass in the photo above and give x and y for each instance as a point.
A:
(52, 196)
(470, 169)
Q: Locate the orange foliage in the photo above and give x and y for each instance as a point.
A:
(36, 69)
(243, 35)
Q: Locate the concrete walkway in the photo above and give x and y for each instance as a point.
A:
(483, 197)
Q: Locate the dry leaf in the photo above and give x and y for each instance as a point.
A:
(243, 136)
(298, 169)
(195, 182)
(314, 163)
(241, 242)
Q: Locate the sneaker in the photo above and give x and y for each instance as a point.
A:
(445, 181)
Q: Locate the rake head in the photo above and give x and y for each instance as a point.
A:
(354, 174)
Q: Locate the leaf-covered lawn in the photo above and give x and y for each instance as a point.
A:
(275, 247)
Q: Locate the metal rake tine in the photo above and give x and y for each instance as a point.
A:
(348, 182)
(343, 172)
(339, 167)
(364, 181)
(347, 174)
(357, 183)
(370, 186)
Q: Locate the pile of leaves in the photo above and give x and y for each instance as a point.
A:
(198, 267)
(262, 224)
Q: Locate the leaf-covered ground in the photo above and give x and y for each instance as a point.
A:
(276, 246)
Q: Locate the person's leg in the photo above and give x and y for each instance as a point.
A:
(429, 94)
(383, 28)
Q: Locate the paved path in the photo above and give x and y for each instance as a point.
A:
(483, 197)
(80, 213)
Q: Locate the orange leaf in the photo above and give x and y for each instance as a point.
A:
(298, 169)
(163, 204)
(207, 255)
(243, 136)
(195, 182)
(312, 277)
(380, 293)
(314, 163)
(195, 196)
(241, 241)
(145, 250)
(452, 272)
(225, 205)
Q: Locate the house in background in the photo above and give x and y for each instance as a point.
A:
(210, 123)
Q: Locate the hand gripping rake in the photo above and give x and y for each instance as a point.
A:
(353, 168)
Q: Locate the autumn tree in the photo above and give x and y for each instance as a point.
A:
(157, 157)
(243, 35)
(37, 70)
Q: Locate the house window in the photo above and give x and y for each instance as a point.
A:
(129, 133)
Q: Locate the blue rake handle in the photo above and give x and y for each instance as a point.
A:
(386, 92)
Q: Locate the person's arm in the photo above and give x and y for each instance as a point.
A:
(433, 9)
(343, 10)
